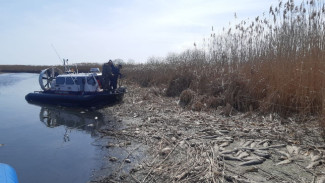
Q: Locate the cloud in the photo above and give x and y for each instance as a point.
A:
(101, 29)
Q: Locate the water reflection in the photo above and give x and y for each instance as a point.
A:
(33, 135)
(78, 119)
(8, 79)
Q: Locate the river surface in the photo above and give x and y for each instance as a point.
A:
(44, 143)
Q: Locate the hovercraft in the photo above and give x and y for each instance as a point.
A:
(74, 89)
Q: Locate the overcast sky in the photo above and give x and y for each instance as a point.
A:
(99, 30)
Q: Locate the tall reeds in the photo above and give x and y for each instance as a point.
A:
(273, 63)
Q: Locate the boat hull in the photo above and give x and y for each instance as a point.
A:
(95, 99)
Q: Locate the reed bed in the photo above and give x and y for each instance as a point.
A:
(274, 63)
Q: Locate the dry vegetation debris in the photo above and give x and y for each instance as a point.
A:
(221, 121)
(203, 146)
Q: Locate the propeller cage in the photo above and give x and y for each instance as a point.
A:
(47, 76)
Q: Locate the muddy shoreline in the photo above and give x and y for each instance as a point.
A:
(163, 142)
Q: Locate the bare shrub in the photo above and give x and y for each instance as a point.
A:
(186, 97)
(178, 84)
(197, 106)
(238, 94)
(214, 102)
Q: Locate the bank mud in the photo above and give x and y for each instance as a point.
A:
(159, 141)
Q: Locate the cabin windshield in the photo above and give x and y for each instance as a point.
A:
(79, 80)
(91, 81)
(69, 81)
(60, 80)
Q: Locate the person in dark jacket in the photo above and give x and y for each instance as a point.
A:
(115, 75)
(107, 75)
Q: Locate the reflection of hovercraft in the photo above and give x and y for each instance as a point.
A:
(53, 117)
(74, 89)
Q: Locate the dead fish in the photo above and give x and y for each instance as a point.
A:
(225, 144)
(222, 149)
(110, 145)
(263, 154)
(181, 176)
(216, 148)
(314, 164)
(281, 158)
(224, 139)
(238, 153)
(247, 143)
(224, 131)
(241, 142)
(236, 179)
(287, 161)
(263, 142)
(290, 149)
(112, 159)
(165, 151)
(266, 144)
(229, 138)
(127, 161)
(247, 149)
(253, 162)
(284, 153)
(252, 169)
(316, 155)
(296, 149)
(253, 144)
(293, 149)
(273, 146)
(243, 155)
(251, 157)
(230, 151)
(228, 157)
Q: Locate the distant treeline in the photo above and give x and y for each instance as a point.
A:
(82, 67)
(22, 68)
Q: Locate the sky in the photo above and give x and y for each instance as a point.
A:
(41, 32)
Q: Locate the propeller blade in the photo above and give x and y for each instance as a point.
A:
(52, 72)
(48, 72)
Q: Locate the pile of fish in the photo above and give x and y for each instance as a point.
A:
(204, 146)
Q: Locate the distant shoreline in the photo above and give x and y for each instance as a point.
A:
(38, 68)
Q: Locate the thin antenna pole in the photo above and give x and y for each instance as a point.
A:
(56, 52)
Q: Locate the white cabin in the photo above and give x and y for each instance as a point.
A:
(82, 82)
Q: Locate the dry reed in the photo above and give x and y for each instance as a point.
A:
(274, 63)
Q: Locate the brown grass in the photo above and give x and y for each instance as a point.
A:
(274, 63)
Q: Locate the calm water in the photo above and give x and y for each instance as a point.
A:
(42, 143)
